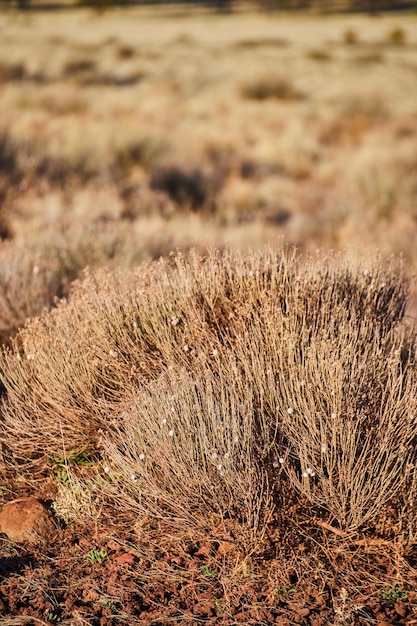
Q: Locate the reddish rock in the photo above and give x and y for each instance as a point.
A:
(124, 558)
(27, 519)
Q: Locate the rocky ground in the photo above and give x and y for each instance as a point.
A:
(103, 575)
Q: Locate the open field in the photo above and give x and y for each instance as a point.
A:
(222, 437)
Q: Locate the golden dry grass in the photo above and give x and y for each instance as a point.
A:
(328, 160)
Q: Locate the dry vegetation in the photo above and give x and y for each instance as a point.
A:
(234, 434)
(246, 419)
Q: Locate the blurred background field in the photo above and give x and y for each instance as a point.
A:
(127, 133)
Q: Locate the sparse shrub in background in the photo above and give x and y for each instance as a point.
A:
(125, 52)
(318, 54)
(228, 386)
(189, 189)
(350, 37)
(397, 36)
(101, 4)
(12, 72)
(274, 42)
(6, 229)
(270, 88)
(28, 161)
(357, 116)
(368, 57)
(8, 155)
(141, 151)
(34, 275)
(80, 66)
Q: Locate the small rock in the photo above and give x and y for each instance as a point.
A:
(124, 558)
(27, 519)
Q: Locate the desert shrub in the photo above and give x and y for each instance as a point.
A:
(34, 275)
(140, 151)
(8, 155)
(29, 160)
(6, 228)
(12, 72)
(111, 80)
(218, 385)
(79, 66)
(125, 51)
(189, 189)
(270, 88)
(373, 56)
(350, 37)
(319, 54)
(397, 36)
(251, 44)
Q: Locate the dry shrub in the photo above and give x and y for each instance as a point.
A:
(218, 385)
(251, 44)
(187, 188)
(350, 37)
(30, 279)
(137, 152)
(79, 67)
(33, 275)
(397, 36)
(356, 118)
(270, 88)
(366, 58)
(319, 54)
(8, 154)
(30, 161)
(125, 51)
(12, 72)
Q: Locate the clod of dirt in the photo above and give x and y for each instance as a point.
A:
(27, 519)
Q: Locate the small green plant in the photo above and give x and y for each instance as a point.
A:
(96, 556)
(81, 459)
(394, 594)
(108, 604)
(218, 605)
(62, 475)
(286, 591)
(208, 572)
(61, 465)
(53, 617)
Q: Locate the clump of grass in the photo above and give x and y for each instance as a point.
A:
(33, 275)
(250, 44)
(397, 36)
(220, 385)
(367, 58)
(12, 72)
(125, 52)
(187, 188)
(79, 66)
(350, 37)
(29, 162)
(318, 54)
(141, 151)
(270, 88)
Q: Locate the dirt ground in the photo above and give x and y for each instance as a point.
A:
(102, 575)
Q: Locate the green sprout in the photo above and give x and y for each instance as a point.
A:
(96, 556)
(394, 594)
(208, 572)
